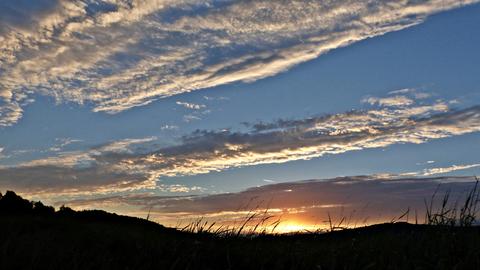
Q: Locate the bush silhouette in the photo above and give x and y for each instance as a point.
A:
(41, 209)
(12, 203)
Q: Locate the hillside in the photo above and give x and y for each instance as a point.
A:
(34, 236)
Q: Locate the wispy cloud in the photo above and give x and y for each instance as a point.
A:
(191, 106)
(119, 54)
(61, 143)
(389, 101)
(10, 111)
(121, 166)
(412, 91)
(169, 127)
(190, 117)
(443, 170)
(429, 171)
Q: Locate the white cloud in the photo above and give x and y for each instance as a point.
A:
(394, 101)
(117, 54)
(121, 166)
(434, 171)
(169, 127)
(190, 117)
(429, 171)
(10, 112)
(215, 98)
(61, 143)
(124, 146)
(191, 106)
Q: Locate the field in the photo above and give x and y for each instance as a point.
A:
(41, 238)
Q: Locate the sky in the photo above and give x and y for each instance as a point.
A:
(191, 108)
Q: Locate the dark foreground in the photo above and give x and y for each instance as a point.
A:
(44, 239)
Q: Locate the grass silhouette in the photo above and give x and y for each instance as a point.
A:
(449, 214)
(35, 236)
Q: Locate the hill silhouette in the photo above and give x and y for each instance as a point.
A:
(35, 236)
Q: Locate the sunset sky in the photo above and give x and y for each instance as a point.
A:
(189, 108)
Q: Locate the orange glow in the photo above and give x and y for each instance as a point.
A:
(291, 226)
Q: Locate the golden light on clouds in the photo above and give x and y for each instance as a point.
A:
(125, 165)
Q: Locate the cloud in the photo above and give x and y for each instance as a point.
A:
(429, 171)
(358, 199)
(215, 98)
(10, 112)
(434, 171)
(190, 117)
(117, 54)
(140, 164)
(398, 98)
(61, 143)
(77, 172)
(395, 101)
(411, 91)
(191, 106)
(169, 127)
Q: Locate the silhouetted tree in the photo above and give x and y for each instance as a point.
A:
(66, 211)
(41, 209)
(12, 203)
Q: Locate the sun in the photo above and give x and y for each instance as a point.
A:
(292, 226)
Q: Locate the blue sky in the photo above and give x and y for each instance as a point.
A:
(208, 97)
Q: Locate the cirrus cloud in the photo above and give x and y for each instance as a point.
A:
(140, 164)
(117, 54)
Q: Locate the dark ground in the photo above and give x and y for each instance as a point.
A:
(40, 238)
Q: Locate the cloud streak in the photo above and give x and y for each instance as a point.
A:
(191, 106)
(117, 54)
(453, 168)
(139, 164)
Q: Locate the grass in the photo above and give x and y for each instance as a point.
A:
(462, 212)
(254, 223)
(454, 213)
(29, 242)
(36, 237)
